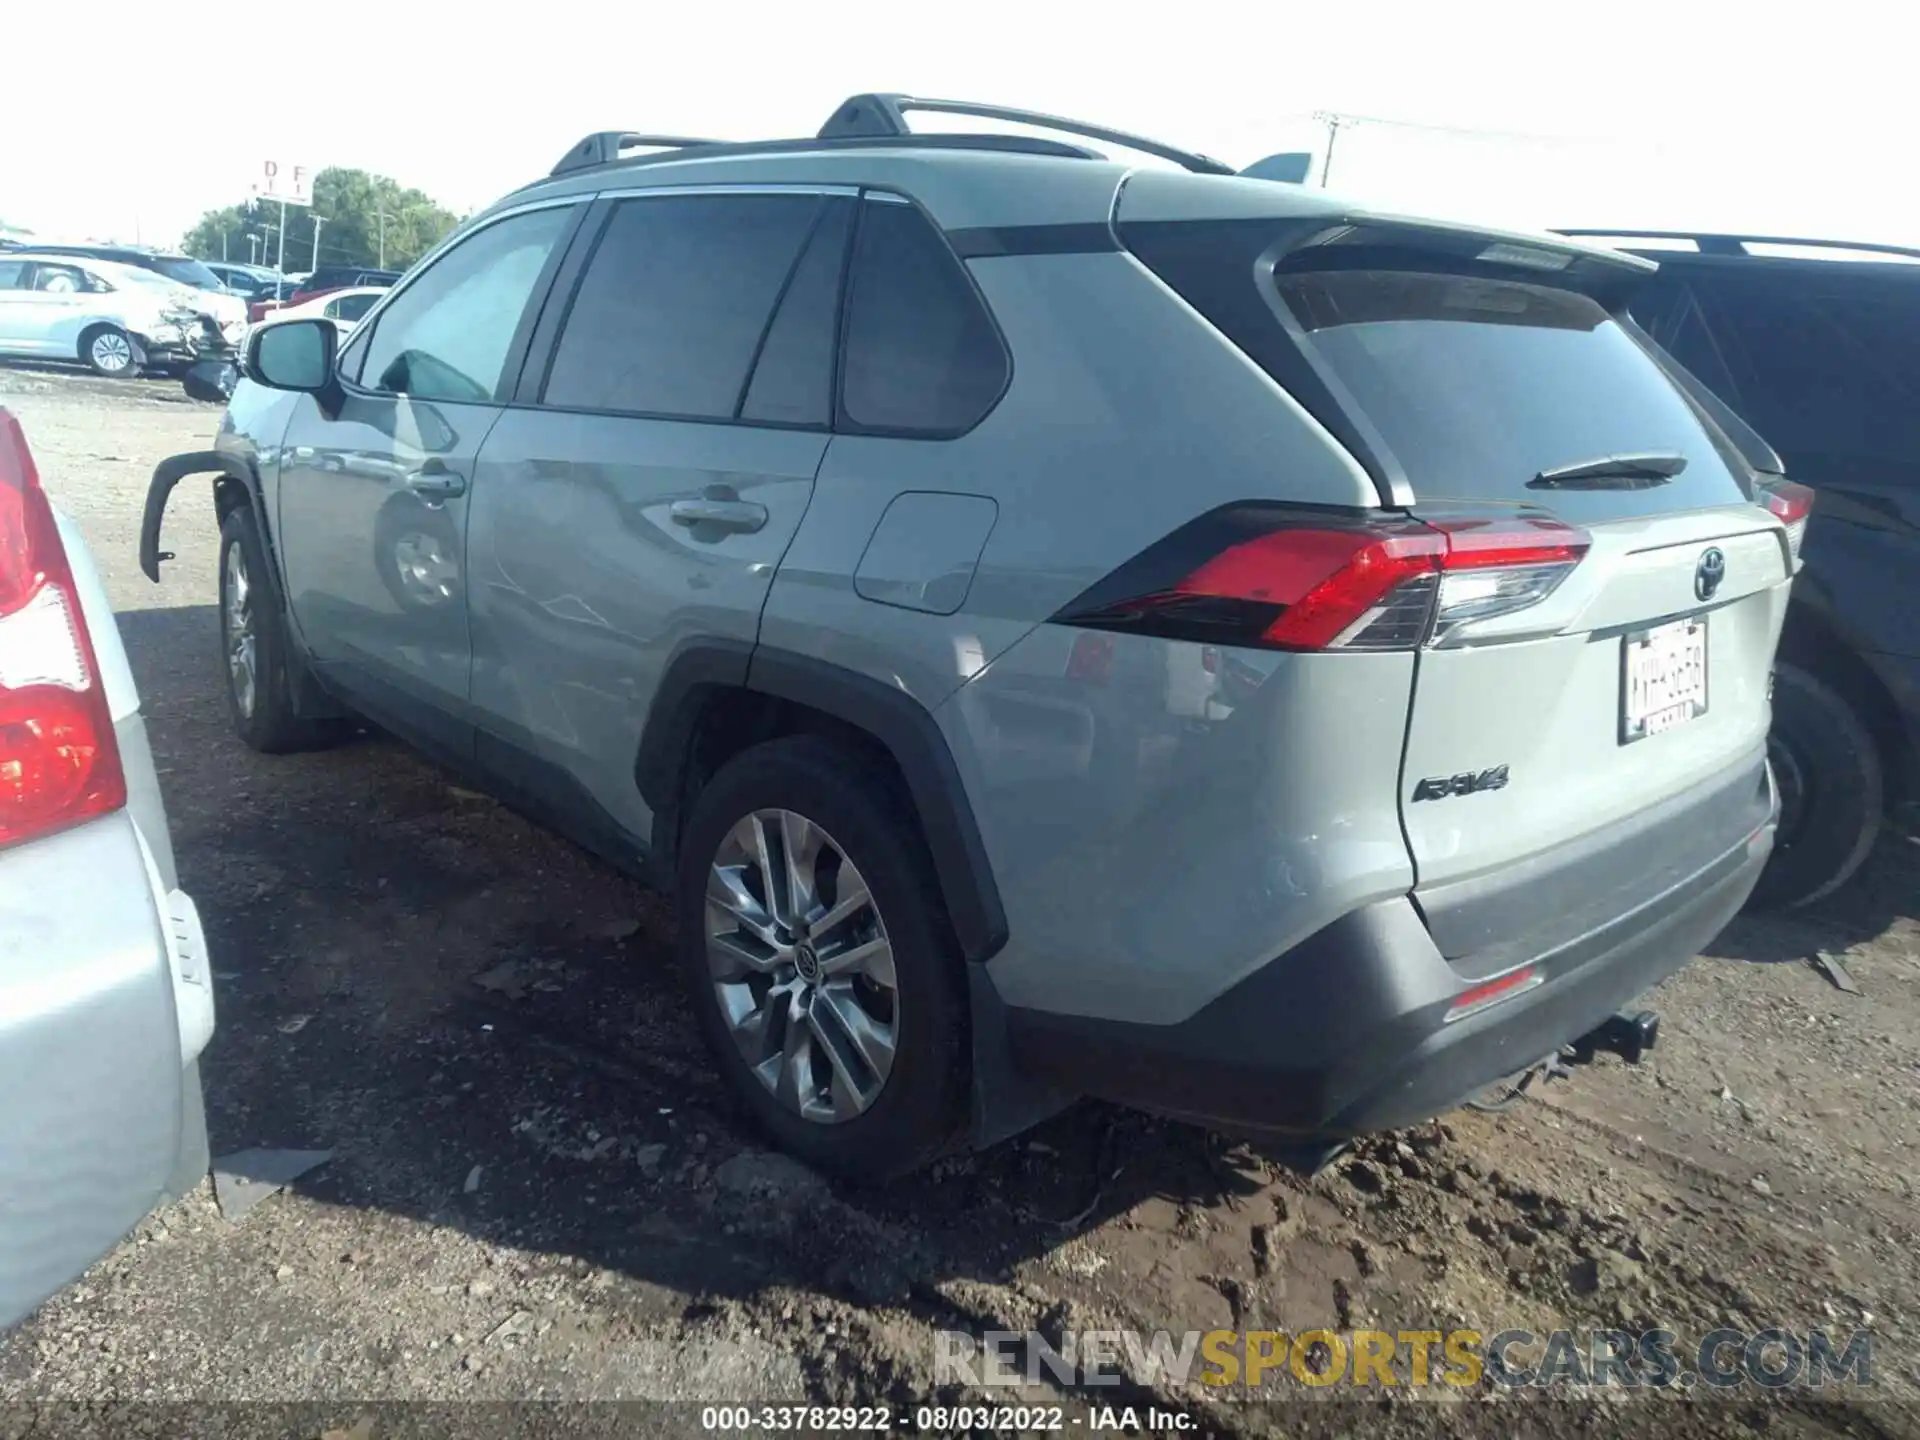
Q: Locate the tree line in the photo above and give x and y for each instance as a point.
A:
(364, 219)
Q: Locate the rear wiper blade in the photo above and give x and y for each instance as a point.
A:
(1612, 472)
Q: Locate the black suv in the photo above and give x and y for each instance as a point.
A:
(1816, 344)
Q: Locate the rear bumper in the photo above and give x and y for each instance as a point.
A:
(1347, 1032)
(104, 1007)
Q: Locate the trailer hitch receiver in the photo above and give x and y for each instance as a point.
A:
(1630, 1036)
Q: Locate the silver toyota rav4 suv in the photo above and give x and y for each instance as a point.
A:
(1056, 627)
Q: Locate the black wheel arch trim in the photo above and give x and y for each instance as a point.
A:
(899, 723)
(169, 473)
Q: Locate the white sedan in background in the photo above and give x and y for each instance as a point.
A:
(346, 308)
(116, 318)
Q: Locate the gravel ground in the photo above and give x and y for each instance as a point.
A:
(539, 1190)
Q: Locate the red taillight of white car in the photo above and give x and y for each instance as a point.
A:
(1273, 578)
(59, 762)
(1792, 504)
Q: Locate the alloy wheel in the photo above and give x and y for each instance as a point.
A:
(242, 644)
(111, 352)
(802, 966)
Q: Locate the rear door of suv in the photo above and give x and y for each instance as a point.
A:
(643, 489)
(1617, 660)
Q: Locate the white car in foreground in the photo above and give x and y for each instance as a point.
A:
(117, 318)
(106, 999)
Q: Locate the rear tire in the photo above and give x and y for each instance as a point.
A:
(254, 648)
(830, 1104)
(1832, 792)
(111, 352)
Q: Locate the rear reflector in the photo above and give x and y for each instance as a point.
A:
(1283, 579)
(1492, 992)
(1792, 504)
(59, 763)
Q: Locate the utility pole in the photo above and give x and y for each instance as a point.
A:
(318, 221)
(280, 263)
(1333, 122)
(381, 215)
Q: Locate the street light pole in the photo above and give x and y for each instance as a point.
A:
(318, 221)
(381, 215)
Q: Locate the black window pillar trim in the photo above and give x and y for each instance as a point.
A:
(894, 719)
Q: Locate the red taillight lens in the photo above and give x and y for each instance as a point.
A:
(1792, 503)
(1258, 576)
(59, 763)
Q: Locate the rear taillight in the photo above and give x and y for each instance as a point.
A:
(1792, 504)
(1271, 578)
(59, 763)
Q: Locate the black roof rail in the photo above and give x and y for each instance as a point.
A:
(604, 146)
(1713, 243)
(582, 157)
(877, 115)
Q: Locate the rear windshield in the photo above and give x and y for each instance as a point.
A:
(1477, 385)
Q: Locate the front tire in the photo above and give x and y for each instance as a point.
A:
(111, 352)
(255, 649)
(1832, 791)
(821, 965)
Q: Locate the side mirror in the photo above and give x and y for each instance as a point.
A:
(294, 355)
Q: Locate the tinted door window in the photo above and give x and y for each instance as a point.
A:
(793, 379)
(923, 356)
(12, 272)
(675, 303)
(446, 337)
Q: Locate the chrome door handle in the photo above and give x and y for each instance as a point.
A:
(739, 515)
(435, 482)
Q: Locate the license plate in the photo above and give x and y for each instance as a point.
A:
(1663, 678)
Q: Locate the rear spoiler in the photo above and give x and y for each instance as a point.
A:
(1290, 167)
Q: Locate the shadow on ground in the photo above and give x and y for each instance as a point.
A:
(417, 978)
(424, 982)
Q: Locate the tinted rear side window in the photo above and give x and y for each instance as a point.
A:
(923, 356)
(1477, 385)
(1830, 374)
(673, 305)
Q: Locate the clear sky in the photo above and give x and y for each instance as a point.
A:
(1793, 119)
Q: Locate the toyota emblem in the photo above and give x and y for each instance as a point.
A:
(1708, 574)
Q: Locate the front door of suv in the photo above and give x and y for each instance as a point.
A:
(647, 482)
(371, 505)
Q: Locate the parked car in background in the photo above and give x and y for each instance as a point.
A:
(1816, 344)
(731, 507)
(106, 998)
(215, 300)
(329, 278)
(182, 269)
(250, 282)
(346, 308)
(270, 299)
(115, 318)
